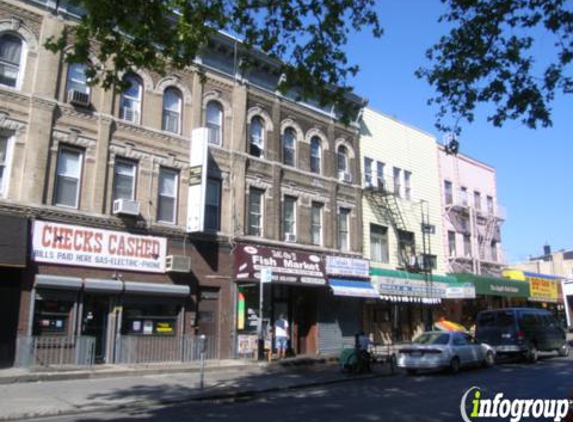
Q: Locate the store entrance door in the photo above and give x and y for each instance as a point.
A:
(305, 321)
(208, 313)
(94, 323)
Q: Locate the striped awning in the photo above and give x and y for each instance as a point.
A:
(352, 288)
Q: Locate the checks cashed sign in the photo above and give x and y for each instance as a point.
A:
(64, 244)
(287, 266)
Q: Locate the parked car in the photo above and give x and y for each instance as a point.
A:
(444, 350)
(522, 331)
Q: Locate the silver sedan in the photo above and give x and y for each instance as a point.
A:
(444, 350)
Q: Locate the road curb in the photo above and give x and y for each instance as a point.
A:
(233, 395)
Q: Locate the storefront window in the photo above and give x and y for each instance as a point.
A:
(150, 319)
(51, 317)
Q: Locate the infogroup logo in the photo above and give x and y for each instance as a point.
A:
(513, 409)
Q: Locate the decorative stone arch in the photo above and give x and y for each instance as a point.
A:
(143, 75)
(216, 96)
(320, 134)
(16, 26)
(174, 81)
(290, 123)
(258, 111)
(345, 143)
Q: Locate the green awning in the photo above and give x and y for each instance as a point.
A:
(494, 286)
(411, 276)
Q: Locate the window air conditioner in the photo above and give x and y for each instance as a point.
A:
(177, 264)
(126, 207)
(290, 237)
(344, 176)
(130, 115)
(78, 98)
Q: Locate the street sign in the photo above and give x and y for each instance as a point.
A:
(266, 275)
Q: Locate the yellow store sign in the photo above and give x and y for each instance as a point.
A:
(543, 289)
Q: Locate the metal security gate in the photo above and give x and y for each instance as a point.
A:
(161, 349)
(45, 351)
(338, 322)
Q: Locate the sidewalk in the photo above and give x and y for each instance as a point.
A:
(36, 399)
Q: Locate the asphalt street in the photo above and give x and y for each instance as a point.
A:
(423, 398)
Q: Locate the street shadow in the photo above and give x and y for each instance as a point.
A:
(400, 398)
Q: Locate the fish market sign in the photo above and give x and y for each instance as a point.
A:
(64, 244)
(348, 267)
(287, 266)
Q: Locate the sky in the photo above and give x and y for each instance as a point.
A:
(533, 167)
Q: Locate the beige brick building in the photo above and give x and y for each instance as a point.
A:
(282, 174)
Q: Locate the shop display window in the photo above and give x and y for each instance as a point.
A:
(150, 319)
(52, 317)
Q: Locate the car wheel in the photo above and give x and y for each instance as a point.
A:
(564, 350)
(489, 360)
(532, 354)
(455, 365)
(411, 372)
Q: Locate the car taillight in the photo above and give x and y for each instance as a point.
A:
(520, 335)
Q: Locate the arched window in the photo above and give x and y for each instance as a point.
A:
(11, 48)
(315, 154)
(131, 100)
(171, 110)
(289, 141)
(214, 122)
(342, 163)
(256, 137)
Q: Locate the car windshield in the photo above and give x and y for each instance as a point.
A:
(433, 338)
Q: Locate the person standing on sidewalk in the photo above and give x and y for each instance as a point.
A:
(281, 336)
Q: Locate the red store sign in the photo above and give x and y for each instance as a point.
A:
(56, 243)
(287, 266)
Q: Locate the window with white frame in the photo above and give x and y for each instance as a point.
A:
(289, 218)
(342, 155)
(397, 186)
(489, 200)
(467, 246)
(213, 205)
(464, 196)
(380, 174)
(167, 195)
(368, 171)
(315, 154)
(316, 223)
(5, 153)
(255, 223)
(477, 200)
(214, 122)
(171, 121)
(452, 243)
(68, 177)
(289, 142)
(77, 80)
(448, 192)
(343, 229)
(124, 175)
(407, 185)
(256, 137)
(11, 55)
(379, 243)
(130, 105)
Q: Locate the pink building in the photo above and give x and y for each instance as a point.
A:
(472, 215)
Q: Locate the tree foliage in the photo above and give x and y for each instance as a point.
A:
(489, 57)
(305, 36)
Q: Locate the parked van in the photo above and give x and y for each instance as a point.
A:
(521, 331)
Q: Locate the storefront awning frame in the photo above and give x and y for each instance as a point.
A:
(45, 281)
(494, 286)
(352, 288)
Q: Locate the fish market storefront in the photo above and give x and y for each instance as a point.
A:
(99, 296)
(340, 307)
(297, 278)
(406, 306)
